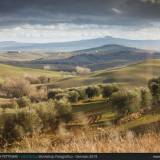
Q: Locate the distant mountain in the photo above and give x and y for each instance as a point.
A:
(79, 45)
(51, 47)
(103, 57)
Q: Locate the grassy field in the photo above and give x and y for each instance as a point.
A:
(8, 71)
(132, 75)
(136, 74)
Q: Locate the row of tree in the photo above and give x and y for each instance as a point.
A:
(82, 93)
(124, 101)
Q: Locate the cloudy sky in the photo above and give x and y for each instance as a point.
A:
(69, 20)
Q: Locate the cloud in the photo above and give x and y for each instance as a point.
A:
(46, 12)
(68, 20)
(117, 11)
(152, 1)
(72, 32)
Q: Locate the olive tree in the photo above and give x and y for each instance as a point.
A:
(154, 86)
(92, 91)
(126, 102)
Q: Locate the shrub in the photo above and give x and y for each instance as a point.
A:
(29, 120)
(20, 122)
(52, 93)
(126, 102)
(92, 91)
(63, 110)
(23, 102)
(43, 79)
(73, 96)
(32, 79)
(17, 88)
(16, 123)
(47, 113)
(146, 98)
(61, 96)
(154, 86)
(13, 132)
(39, 95)
(109, 89)
(82, 93)
(9, 131)
(12, 105)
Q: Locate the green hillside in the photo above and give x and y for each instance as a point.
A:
(135, 75)
(132, 75)
(12, 71)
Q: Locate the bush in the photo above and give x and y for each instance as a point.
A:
(39, 95)
(12, 105)
(154, 86)
(92, 91)
(23, 102)
(32, 79)
(52, 93)
(29, 120)
(47, 113)
(82, 93)
(15, 88)
(61, 96)
(73, 96)
(109, 89)
(63, 110)
(146, 98)
(14, 132)
(20, 122)
(126, 102)
(43, 79)
(9, 131)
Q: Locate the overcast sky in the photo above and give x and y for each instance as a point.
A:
(69, 20)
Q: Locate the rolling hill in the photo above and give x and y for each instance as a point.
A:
(24, 56)
(8, 71)
(129, 76)
(107, 56)
(30, 56)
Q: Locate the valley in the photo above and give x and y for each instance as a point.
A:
(80, 76)
(85, 100)
(103, 57)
